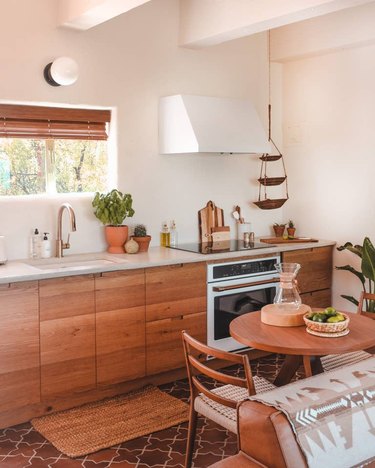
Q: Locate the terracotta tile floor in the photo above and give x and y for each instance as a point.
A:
(21, 446)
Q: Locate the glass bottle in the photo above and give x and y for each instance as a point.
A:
(287, 296)
(165, 236)
(173, 234)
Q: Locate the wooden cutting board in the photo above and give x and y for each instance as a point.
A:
(209, 217)
(281, 240)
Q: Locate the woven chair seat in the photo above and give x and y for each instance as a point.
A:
(223, 415)
(335, 361)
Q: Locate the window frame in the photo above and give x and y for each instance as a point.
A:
(104, 114)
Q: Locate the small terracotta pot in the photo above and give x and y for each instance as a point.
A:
(279, 230)
(116, 236)
(143, 242)
(291, 232)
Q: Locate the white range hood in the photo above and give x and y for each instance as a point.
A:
(202, 124)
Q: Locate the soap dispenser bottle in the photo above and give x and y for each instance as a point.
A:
(173, 234)
(46, 246)
(35, 244)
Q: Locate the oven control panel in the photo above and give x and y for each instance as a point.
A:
(242, 269)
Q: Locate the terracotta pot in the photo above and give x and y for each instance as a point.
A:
(291, 232)
(116, 236)
(143, 242)
(279, 230)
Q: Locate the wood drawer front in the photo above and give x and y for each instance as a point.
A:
(66, 297)
(321, 298)
(67, 348)
(164, 342)
(120, 345)
(175, 290)
(19, 345)
(120, 290)
(316, 267)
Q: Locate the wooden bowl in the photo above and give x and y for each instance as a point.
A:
(326, 327)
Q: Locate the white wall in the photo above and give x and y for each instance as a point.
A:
(329, 121)
(128, 63)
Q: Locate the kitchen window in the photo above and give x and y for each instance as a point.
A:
(52, 150)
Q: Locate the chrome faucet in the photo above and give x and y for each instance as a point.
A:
(60, 245)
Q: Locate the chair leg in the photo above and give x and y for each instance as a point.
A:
(193, 419)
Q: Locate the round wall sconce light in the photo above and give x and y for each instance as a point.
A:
(63, 71)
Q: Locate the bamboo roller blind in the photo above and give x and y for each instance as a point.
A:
(53, 122)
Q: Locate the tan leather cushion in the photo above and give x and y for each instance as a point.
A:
(266, 436)
(237, 461)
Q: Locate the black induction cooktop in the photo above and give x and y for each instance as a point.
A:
(221, 247)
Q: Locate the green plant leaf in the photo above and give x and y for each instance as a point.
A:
(113, 207)
(368, 259)
(356, 249)
(351, 299)
(355, 272)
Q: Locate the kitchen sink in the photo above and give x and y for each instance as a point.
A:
(78, 265)
(75, 262)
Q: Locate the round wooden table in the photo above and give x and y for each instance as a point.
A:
(298, 345)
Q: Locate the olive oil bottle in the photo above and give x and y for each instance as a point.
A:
(165, 236)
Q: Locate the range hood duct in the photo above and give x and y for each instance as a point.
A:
(202, 124)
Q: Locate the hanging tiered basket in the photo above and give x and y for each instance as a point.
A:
(264, 202)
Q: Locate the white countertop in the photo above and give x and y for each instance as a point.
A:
(28, 270)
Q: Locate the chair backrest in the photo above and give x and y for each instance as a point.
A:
(195, 367)
(365, 296)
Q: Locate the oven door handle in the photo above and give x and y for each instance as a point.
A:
(244, 285)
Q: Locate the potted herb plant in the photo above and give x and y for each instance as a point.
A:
(278, 229)
(291, 230)
(111, 209)
(141, 237)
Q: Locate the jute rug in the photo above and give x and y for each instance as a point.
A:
(94, 426)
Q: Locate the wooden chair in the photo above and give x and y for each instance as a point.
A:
(365, 296)
(218, 404)
(334, 361)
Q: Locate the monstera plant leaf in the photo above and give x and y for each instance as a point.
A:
(368, 259)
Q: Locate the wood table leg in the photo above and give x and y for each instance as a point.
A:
(288, 370)
(312, 365)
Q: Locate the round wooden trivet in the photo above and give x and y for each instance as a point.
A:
(273, 314)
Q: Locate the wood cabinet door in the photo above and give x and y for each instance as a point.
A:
(120, 326)
(67, 335)
(19, 345)
(164, 349)
(321, 298)
(175, 290)
(316, 267)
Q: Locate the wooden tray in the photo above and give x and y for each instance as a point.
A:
(281, 240)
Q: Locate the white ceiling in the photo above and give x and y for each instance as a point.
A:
(208, 22)
(86, 14)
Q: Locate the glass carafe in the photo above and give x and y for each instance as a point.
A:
(287, 296)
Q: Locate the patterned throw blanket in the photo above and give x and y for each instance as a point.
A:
(332, 414)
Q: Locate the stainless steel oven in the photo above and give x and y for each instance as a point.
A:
(234, 289)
